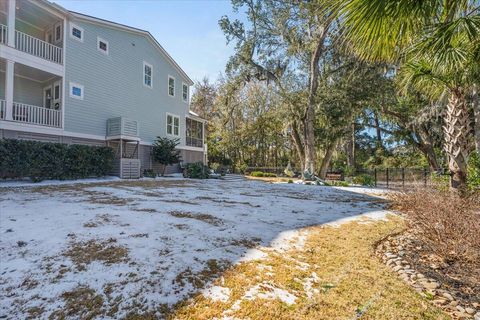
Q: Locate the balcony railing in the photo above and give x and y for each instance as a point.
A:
(3, 109)
(33, 46)
(194, 142)
(36, 115)
(37, 47)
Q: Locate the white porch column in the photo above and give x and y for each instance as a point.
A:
(9, 77)
(11, 23)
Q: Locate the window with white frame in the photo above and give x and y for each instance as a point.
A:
(76, 90)
(184, 92)
(76, 32)
(147, 74)
(171, 86)
(102, 45)
(173, 125)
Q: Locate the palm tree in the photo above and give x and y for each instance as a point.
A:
(436, 43)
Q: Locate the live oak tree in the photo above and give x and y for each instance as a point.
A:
(281, 38)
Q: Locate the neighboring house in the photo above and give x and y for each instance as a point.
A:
(71, 78)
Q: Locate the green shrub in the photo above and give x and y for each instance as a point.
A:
(257, 174)
(196, 170)
(364, 180)
(440, 181)
(42, 160)
(473, 174)
(262, 174)
(290, 181)
(149, 173)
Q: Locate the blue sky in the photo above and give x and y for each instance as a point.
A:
(187, 29)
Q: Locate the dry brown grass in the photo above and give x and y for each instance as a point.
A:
(446, 222)
(351, 282)
(197, 216)
(83, 253)
(81, 303)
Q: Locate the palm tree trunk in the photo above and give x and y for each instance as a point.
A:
(476, 112)
(457, 130)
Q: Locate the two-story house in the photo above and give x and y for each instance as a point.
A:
(71, 78)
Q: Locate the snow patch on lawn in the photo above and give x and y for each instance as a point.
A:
(217, 293)
(178, 237)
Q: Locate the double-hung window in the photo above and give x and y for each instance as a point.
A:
(173, 125)
(184, 92)
(147, 74)
(171, 86)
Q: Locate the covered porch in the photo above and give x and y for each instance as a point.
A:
(30, 95)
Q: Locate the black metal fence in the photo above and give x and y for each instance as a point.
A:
(382, 178)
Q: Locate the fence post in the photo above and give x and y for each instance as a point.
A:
(403, 178)
(425, 176)
(387, 178)
(375, 172)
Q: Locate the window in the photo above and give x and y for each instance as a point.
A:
(76, 32)
(102, 45)
(194, 133)
(147, 74)
(173, 125)
(171, 86)
(58, 32)
(76, 91)
(184, 92)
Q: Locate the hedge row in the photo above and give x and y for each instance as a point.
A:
(41, 160)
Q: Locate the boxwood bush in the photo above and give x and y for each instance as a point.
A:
(262, 174)
(42, 160)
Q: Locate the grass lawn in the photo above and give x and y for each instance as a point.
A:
(334, 275)
(185, 249)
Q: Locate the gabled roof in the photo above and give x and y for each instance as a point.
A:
(126, 28)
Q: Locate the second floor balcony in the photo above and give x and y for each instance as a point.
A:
(37, 32)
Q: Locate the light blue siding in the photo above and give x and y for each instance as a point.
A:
(113, 83)
(25, 91)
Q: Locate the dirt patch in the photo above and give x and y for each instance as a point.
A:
(100, 220)
(84, 253)
(197, 216)
(144, 210)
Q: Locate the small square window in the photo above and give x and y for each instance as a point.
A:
(147, 74)
(185, 92)
(76, 91)
(171, 86)
(102, 45)
(76, 32)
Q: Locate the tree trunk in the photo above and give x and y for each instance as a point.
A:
(326, 159)
(163, 170)
(457, 130)
(297, 140)
(425, 146)
(350, 149)
(476, 112)
(378, 130)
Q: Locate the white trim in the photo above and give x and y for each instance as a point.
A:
(144, 74)
(168, 86)
(190, 148)
(64, 81)
(188, 92)
(123, 137)
(19, 126)
(81, 87)
(106, 52)
(72, 25)
(196, 118)
(9, 53)
(173, 125)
